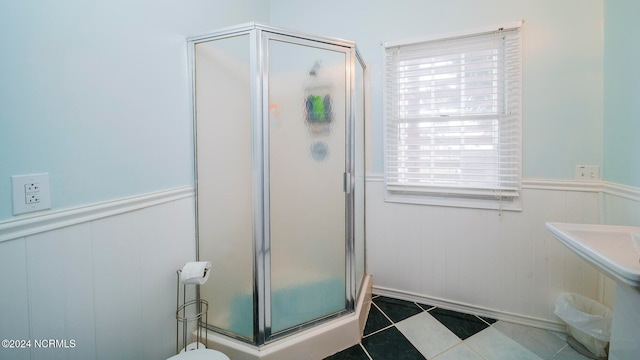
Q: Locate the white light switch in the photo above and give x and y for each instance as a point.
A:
(30, 193)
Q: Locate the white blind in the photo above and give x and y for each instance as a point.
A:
(453, 116)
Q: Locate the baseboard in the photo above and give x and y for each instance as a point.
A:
(471, 309)
(52, 220)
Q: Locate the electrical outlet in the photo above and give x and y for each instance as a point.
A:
(32, 198)
(31, 187)
(30, 193)
(588, 172)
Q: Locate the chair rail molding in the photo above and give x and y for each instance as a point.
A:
(51, 220)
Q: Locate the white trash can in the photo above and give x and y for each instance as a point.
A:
(588, 321)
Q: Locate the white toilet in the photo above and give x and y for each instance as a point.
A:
(200, 354)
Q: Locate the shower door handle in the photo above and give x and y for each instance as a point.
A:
(346, 182)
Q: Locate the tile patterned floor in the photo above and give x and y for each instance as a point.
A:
(398, 330)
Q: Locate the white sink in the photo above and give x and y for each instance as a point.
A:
(615, 250)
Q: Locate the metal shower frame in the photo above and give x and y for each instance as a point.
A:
(259, 35)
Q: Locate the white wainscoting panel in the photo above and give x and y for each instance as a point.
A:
(621, 205)
(14, 296)
(505, 265)
(105, 279)
(104, 275)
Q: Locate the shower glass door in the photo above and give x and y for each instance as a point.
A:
(306, 92)
(225, 175)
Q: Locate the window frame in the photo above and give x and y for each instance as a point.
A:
(453, 196)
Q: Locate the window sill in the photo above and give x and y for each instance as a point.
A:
(514, 204)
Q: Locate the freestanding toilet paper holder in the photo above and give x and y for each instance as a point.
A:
(190, 312)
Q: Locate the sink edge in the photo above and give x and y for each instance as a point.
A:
(601, 262)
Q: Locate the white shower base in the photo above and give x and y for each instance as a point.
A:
(317, 342)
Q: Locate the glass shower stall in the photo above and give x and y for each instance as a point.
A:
(279, 124)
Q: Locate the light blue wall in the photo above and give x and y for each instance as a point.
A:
(96, 94)
(622, 93)
(563, 63)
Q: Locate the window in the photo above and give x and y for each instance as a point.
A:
(453, 120)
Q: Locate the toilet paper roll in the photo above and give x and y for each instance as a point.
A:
(195, 272)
